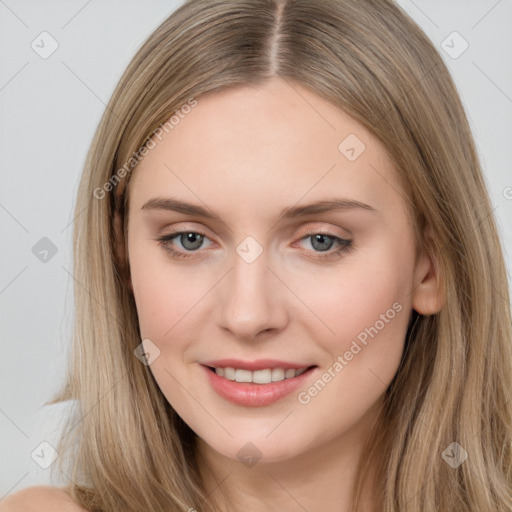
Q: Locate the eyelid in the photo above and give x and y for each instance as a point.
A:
(321, 229)
(317, 228)
(343, 243)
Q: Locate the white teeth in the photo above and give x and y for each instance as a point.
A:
(289, 373)
(262, 376)
(259, 376)
(278, 374)
(243, 376)
(229, 373)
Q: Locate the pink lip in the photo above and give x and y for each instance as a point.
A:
(249, 394)
(259, 364)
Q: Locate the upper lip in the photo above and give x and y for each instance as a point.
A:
(258, 364)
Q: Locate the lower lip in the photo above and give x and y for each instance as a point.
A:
(249, 394)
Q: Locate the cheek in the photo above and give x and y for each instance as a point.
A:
(165, 296)
(366, 305)
(368, 308)
(163, 293)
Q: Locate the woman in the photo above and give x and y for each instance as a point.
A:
(293, 293)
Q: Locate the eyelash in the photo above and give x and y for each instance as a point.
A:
(345, 244)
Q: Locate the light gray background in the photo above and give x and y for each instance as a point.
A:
(49, 109)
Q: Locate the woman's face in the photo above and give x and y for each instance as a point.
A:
(296, 254)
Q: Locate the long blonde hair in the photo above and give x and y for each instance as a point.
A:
(126, 447)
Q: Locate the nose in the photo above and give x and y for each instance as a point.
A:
(252, 300)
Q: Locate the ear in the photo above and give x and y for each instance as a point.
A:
(428, 295)
(121, 249)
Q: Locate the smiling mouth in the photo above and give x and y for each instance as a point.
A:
(264, 376)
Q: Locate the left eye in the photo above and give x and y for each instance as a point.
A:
(321, 242)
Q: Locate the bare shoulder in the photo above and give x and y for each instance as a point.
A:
(40, 499)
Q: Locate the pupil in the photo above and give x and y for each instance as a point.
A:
(191, 241)
(322, 239)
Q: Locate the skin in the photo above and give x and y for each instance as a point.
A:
(246, 154)
(41, 498)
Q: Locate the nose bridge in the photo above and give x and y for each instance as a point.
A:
(249, 276)
(251, 302)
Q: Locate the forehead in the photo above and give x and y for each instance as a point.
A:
(274, 143)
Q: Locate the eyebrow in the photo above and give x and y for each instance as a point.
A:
(171, 204)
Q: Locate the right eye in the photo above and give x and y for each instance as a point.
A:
(190, 242)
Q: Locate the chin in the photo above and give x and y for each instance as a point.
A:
(257, 450)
